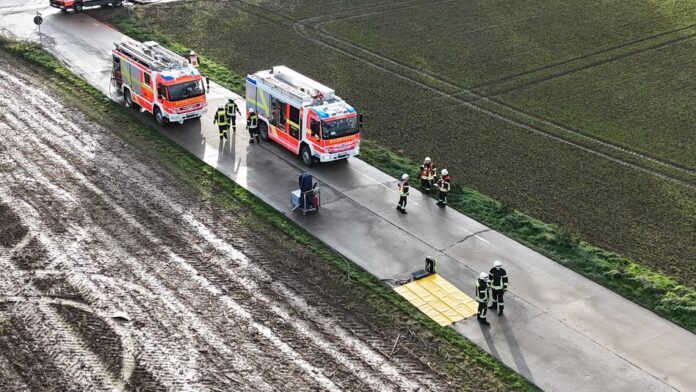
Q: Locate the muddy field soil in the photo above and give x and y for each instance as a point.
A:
(117, 277)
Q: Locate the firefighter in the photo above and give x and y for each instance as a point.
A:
(231, 107)
(222, 121)
(482, 297)
(253, 124)
(499, 285)
(427, 174)
(403, 194)
(444, 184)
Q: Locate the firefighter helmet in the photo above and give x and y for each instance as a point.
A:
(444, 172)
(251, 110)
(427, 159)
(483, 275)
(404, 176)
(497, 264)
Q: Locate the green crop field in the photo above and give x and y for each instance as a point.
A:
(616, 69)
(573, 112)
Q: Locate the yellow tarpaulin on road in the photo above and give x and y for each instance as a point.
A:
(438, 299)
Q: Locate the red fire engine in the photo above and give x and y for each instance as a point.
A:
(303, 115)
(158, 81)
(77, 5)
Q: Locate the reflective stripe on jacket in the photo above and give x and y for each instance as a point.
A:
(221, 117)
(444, 185)
(426, 171)
(403, 188)
(481, 290)
(499, 278)
(253, 120)
(230, 108)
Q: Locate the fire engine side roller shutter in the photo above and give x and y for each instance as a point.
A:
(125, 73)
(135, 82)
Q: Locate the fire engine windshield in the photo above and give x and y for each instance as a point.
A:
(337, 128)
(185, 90)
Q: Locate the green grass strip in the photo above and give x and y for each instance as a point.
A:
(657, 292)
(257, 214)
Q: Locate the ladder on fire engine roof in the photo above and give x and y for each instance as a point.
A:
(152, 55)
(295, 84)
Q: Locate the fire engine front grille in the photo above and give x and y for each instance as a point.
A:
(189, 108)
(341, 147)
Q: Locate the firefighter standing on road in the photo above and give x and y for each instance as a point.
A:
(403, 193)
(253, 124)
(499, 284)
(231, 107)
(222, 121)
(482, 297)
(444, 184)
(427, 174)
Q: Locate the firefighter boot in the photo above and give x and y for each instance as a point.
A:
(493, 305)
(483, 321)
(500, 310)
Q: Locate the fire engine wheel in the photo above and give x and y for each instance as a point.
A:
(263, 130)
(159, 117)
(306, 155)
(129, 99)
(77, 7)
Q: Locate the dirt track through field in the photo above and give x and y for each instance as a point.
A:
(312, 29)
(114, 278)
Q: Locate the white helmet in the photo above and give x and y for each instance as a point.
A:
(444, 172)
(427, 159)
(497, 264)
(251, 110)
(404, 176)
(483, 275)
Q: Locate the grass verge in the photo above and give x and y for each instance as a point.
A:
(659, 293)
(457, 354)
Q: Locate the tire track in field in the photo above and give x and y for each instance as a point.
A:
(64, 254)
(588, 55)
(161, 289)
(300, 28)
(64, 263)
(13, 381)
(61, 342)
(591, 65)
(160, 362)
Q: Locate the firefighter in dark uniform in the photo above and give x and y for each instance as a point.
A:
(482, 296)
(444, 184)
(403, 193)
(222, 121)
(499, 285)
(231, 107)
(253, 124)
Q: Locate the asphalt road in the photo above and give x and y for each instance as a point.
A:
(560, 330)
